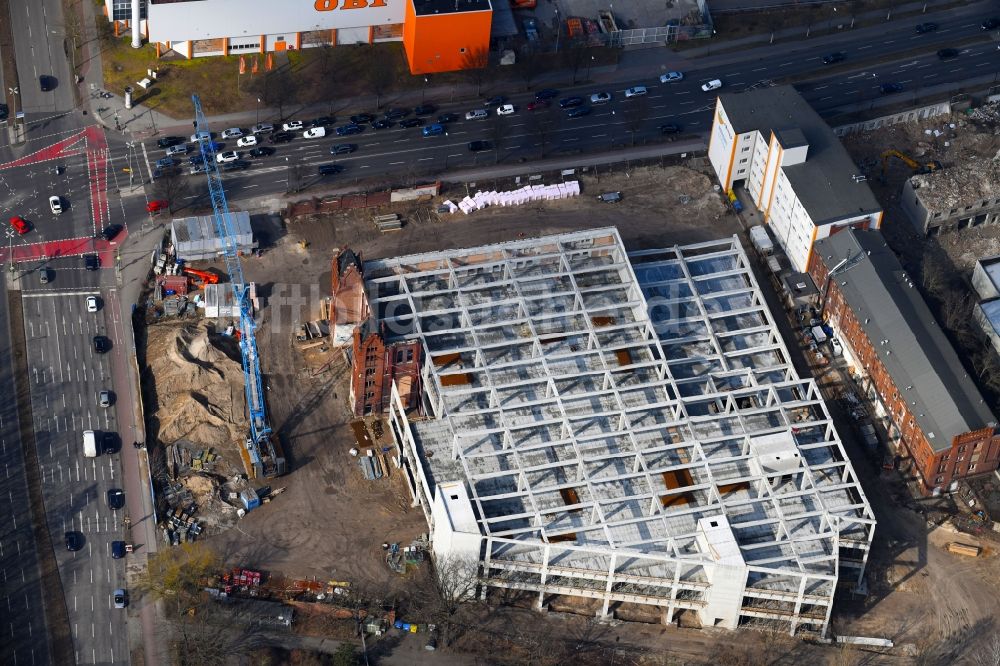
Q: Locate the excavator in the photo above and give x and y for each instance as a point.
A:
(918, 167)
(204, 276)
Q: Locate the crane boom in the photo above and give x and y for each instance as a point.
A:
(264, 459)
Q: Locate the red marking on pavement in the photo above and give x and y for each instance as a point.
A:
(68, 147)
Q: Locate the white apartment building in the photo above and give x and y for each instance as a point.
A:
(772, 144)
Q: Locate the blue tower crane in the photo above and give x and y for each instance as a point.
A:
(263, 456)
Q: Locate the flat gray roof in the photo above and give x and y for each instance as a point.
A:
(823, 182)
(921, 362)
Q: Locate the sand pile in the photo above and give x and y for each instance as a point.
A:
(199, 386)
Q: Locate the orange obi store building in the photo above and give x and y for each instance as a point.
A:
(438, 35)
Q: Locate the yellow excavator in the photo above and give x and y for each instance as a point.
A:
(918, 167)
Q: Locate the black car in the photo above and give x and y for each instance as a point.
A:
(109, 232)
(447, 118)
(382, 123)
(197, 158)
(117, 549)
(167, 141)
(494, 101)
(343, 148)
(261, 151)
(74, 541)
(361, 118)
(46, 83)
(570, 102)
(4, 111)
(329, 169)
(547, 93)
(838, 56)
(889, 88)
(396, 114)
(670, 128)
(425, 109)
(238, 165)
(109, 443)
(323, 121)
(116, 498)
(991, 24)
(578, 112)
(281, 137)
(91, 262)
(947, 54)
(926, 27)
(348, 130)
(479, 146)
(101, 344)
(411, 122)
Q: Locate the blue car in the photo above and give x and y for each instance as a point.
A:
(570, 102)
(578, 112)
(216, 146)
(166, 162)
(547, 93)
(347, 130)
(436, 129)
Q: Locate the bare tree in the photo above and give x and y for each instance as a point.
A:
(542, 124)
(579, 53)
(526, 65)
(476, 63)
(636, 113)
(381, 75)
(446, 589)
(171, 186)
(277, 88)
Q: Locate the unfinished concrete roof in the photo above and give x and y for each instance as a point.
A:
(824, 183)
(958, 186)
(602, 402)
(922, 363)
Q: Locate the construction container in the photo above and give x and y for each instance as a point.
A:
(250, 499)
(964, 549)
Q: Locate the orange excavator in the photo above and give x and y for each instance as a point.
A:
(202, 276)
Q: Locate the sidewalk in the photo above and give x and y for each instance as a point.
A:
(142, 122)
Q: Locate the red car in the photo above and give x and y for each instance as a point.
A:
(19, 224)
(157, 205)
(538, 104)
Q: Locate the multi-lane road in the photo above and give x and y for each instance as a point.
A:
(894, 53)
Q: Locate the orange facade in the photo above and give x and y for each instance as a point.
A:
(446, 42)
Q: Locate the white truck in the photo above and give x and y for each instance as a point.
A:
(89, 444)
(761, 241)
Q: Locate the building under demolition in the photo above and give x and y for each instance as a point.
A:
(620, 435)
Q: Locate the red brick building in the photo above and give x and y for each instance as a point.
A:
(930, 404)
(376, 362)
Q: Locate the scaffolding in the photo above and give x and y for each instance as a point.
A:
(629, 429)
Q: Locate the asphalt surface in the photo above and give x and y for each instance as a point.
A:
(893, 53)
(66, 377)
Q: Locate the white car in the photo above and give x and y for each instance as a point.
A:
(505, 110)
(91, 303)
(292, 125)
(635, 91)
(224, 158)
(232, 133)
(314, 133)
(55, 203)
(201, 136)
(671, 76)
(600, 98)
(260, 128)
(714, 84)
(247, 141)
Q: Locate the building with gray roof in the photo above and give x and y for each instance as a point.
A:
(772, 143)
(931, 404)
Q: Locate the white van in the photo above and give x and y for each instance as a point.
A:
(89, 444)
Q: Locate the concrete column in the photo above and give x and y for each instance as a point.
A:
(136, 25)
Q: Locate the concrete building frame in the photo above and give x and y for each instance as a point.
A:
(625, 432)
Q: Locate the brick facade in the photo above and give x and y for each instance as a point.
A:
(938, 464)
(376, 365)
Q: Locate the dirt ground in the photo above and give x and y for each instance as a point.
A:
(330, 522)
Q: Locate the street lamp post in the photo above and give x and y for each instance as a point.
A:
(15, 93)
(258, 111)
(558, 29)
(423, 91)
(589, 63)
(288, 168)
